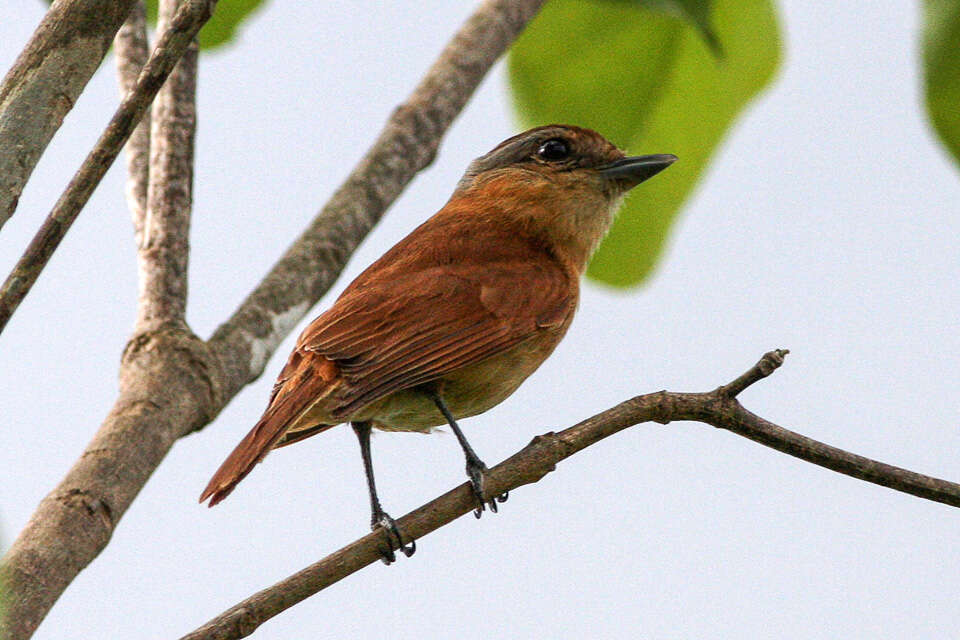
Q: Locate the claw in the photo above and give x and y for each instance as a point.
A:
(387, 556)
(476, 471)
(394, 539)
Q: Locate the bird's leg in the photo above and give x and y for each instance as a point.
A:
(475, 467)
(379, 517)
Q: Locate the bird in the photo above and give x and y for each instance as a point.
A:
(450, 321)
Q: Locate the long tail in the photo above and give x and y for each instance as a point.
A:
(296, 391)
(251, 450)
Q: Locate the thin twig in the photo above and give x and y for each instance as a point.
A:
(171, 45)
(45, 81)
(718, 408)
(172, 384)
(132, 49)
(767, 365)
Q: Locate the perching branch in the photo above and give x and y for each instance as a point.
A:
(171, 45)
(719, 408)
(44, 83)
(172, 383)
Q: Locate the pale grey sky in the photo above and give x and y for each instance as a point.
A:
(827, 224)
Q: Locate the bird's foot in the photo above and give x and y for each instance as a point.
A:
(476, 471)
(394, 538)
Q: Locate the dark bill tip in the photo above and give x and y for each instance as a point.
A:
(636, 169)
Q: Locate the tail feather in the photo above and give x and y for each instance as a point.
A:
(294, 394)
(251, 450)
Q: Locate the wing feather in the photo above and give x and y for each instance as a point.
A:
(397, 334)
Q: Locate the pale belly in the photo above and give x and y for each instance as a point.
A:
(466, 392)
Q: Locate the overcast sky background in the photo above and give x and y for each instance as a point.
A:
(828, 223)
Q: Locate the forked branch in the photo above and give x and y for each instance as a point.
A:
(719, 408)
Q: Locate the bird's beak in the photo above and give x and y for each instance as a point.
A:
(635, 169)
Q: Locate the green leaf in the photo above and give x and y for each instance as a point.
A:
(648, 82)
(941, 58)
(696, 12)
(222, 26)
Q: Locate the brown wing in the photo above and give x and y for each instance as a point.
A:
(421, 326)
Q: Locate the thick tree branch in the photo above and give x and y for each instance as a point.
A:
(172, 383)
(171, 45)
(132, 49)
(44, 83)
(718, 408)
(168, 387)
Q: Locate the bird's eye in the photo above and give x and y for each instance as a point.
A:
(554, 149)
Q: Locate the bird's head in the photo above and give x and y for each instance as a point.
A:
(561, 182)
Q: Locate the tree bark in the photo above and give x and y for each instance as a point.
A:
(132, 51)
(164, 249)
(45, 81)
